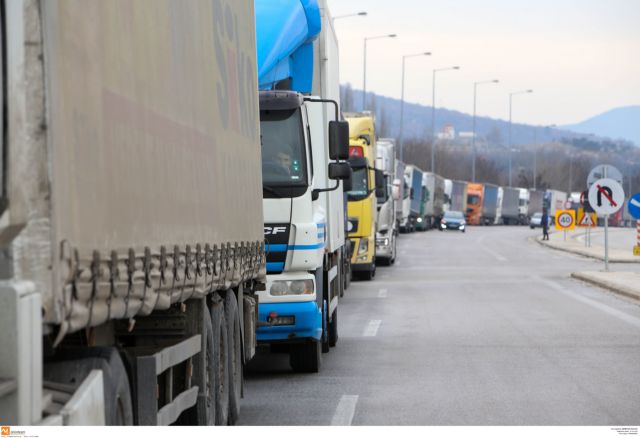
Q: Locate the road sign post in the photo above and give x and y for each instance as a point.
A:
(606, 196)
(634, 211)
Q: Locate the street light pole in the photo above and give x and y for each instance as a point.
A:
(364, 68)
(401, 137)
(338, 17)
(510, 124)
(473, 137)
(433, 115)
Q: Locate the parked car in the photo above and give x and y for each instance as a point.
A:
(453, 220)
(536, 220)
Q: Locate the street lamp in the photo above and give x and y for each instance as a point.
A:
(361, 14)
(535, 153)
(364, 68)
(510, 123)
(473, 138)
(404, 58)
(433, 115)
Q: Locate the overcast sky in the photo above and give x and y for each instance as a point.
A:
(581, 57)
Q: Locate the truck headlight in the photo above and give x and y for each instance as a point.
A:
(419, 220)
(281, 288)
(363, 247)
(382, 241)
(301, 287)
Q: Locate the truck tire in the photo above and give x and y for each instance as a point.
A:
(75, 366)
(220, 364)
(306, 357)
(203, 413)
(235, 356)
(333, 329)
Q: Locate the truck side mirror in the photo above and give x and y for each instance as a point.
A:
(338, 140)
(411, 193)
(339, 171)
(396, 190)
(380, 184)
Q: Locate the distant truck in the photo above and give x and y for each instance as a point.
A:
(413, 177)
(362, 196)
(536, 202)
(132, 214)
(402, 213)
(387, 198)
(511, 214)
(523, 206)
(554, 200)
(407, 224)
(304, 152)
(482, 203)
(433, 204)
(498, 218)
(459, 196)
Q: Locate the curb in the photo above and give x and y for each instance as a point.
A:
(583, 253)
(617, 289)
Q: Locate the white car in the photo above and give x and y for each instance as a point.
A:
(536, 220)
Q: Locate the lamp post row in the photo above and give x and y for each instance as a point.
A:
(433, 105)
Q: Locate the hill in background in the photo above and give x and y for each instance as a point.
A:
(615, 127)
(618, 123)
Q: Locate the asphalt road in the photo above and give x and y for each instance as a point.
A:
(481, 328)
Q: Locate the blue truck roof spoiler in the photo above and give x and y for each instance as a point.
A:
(285, 31)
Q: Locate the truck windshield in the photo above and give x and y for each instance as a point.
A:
(283, 152)
(360, 184)
(384, 198)
(473, 199)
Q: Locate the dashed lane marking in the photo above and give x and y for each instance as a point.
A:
(345, 411)
(382, 293)
(372, 328)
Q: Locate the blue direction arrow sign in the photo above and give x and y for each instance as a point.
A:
(634, 206)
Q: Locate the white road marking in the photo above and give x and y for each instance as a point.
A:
(372, 328)
(382, 293)
(595, 304)
(345, 411)
(496, 255)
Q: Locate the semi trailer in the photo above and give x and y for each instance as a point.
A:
(131, 211)
(433, 205)
(387, 229)
(482, 204)
(511, 206)
(413, 176)
(402, 213)
(304, 145)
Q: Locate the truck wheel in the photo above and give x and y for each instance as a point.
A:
(203, 413)
(74, 366)
(306, 357)
(220, 364)
(235, 356)
(333, 329)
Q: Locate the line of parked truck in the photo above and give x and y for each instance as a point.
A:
(179, 187)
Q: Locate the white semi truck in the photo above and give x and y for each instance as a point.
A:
(131, 222)
(303, 145)
(387, 225)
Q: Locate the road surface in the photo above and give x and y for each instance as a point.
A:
(481, 328)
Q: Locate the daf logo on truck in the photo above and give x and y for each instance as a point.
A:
(274, 230)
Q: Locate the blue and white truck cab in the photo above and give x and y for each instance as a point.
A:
(304, 144)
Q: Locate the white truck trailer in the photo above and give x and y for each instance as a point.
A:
(132, 215)
(435, 199)
(387, 229)
(402, 214)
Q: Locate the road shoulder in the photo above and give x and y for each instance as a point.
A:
(622, 283)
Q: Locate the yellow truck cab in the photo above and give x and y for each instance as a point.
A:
(362, 201)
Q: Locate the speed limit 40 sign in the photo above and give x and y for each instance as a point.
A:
(565, 219)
